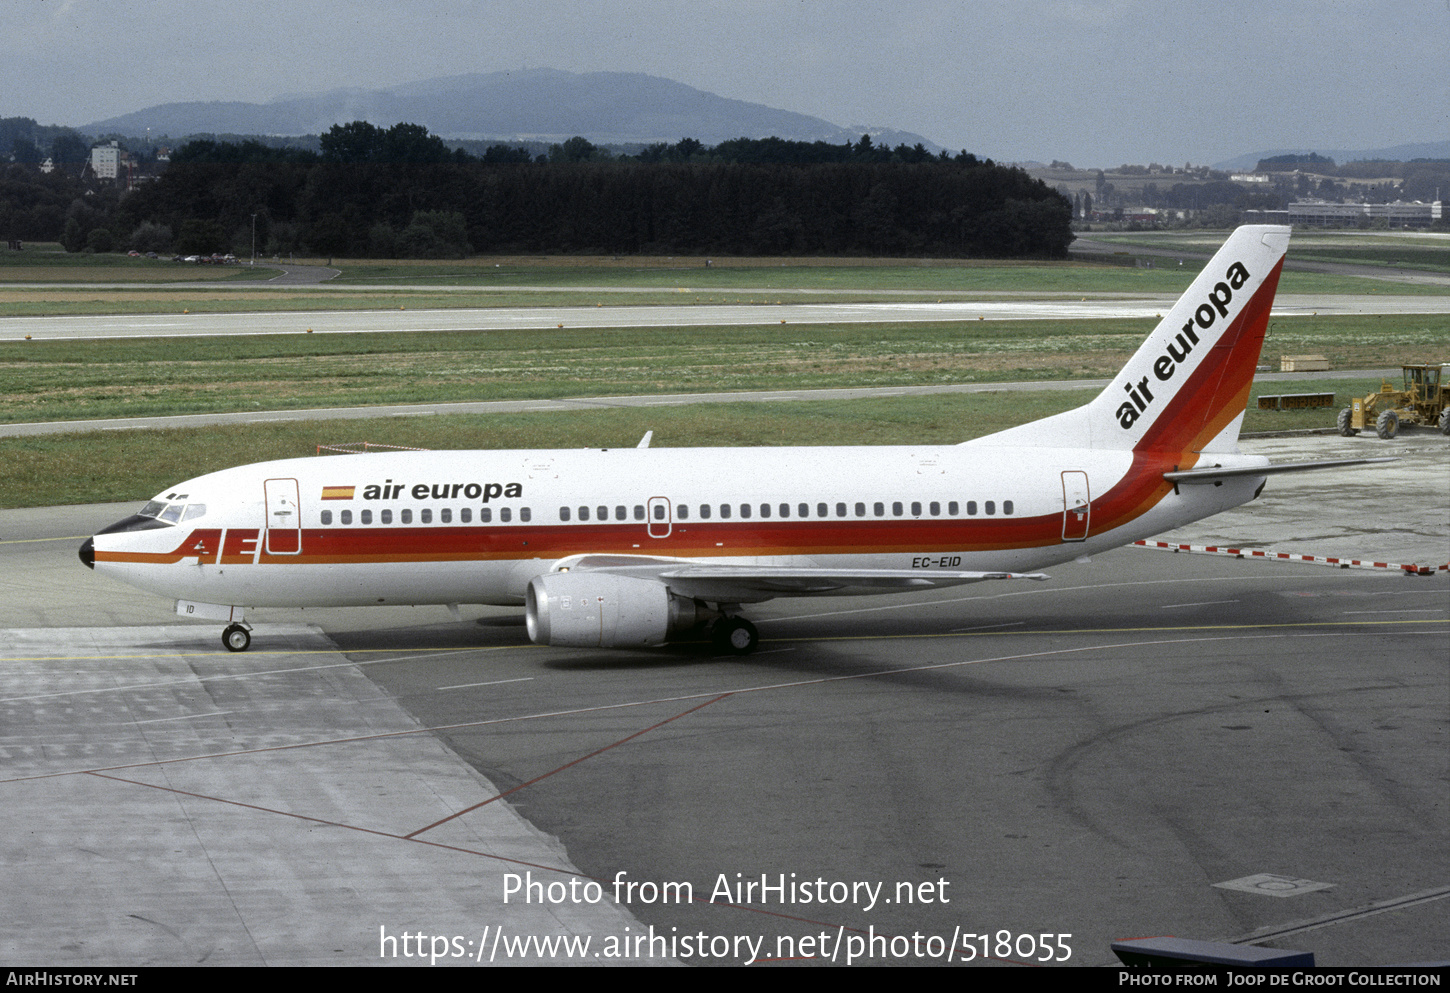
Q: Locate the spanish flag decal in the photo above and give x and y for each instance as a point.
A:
(337, 492)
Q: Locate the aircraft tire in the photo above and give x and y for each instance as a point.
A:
(1387, 424)
(236, 638)
(735, 636)
(1345, 419)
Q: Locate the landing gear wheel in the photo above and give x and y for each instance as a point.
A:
(236, 638)
(1387, 424)
(735, 636)
(1345, 419)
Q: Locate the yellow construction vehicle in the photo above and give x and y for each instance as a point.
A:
(1425, 401)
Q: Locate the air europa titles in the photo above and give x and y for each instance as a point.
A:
(1182, 345)
(389, 490)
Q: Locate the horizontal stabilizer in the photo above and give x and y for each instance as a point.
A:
(1213, 473)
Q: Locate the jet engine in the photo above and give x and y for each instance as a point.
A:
(600, 610)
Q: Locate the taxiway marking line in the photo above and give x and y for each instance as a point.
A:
(680, 698)
(568, 765)
(995, 630)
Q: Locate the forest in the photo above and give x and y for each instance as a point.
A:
(401, 192)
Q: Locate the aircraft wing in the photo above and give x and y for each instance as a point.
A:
(750, 583)
(1214, 473)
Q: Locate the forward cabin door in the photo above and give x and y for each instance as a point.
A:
(284, 524)
(1076, 506)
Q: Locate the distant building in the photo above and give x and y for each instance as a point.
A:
(106, 160)
(1249, 177)
(1399, 214)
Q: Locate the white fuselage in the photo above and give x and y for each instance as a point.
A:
(477, 526)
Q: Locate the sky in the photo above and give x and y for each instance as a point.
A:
(1092, 82)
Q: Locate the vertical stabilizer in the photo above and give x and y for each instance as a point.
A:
(1186, 388)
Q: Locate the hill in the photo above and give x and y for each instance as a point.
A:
(614, 108)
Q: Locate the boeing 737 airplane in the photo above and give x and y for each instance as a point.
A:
(622, 548)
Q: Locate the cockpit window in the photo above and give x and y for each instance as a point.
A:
(172, 513)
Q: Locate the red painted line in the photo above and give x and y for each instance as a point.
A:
(1410, 567)
(567, 765)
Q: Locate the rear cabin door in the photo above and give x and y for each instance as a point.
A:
(1076, 506)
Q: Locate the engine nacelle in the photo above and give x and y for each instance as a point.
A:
(600, 610)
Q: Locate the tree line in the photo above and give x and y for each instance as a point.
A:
(401, 192)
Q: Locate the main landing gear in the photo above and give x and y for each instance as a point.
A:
(734, 635)
(237, 638)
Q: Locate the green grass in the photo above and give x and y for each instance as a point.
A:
(73, 380)
(105, 466)
(536, 282)
(1408, 250)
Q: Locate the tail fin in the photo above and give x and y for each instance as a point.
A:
(1186, 388)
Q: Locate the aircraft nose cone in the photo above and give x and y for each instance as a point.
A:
(88, 553)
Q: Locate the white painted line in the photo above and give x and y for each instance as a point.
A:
(185, 717)
(1201, 603)
(496, 682)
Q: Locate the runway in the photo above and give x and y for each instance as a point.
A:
(1148, 743)
(533, 318)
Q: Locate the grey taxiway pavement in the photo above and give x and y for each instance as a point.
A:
(533, 318)
(1148, 743)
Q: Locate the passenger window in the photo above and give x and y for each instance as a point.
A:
(386, 517)
(620, 513)
(347, 517)
(584, 513)
(505, 515)
(426, 515)
(804, 510)
(879, 508)
(367, 516)
(1006, 506)
(406, 517)
(659, 511)
(526, 514)
(446, 515)
(915, 509)
(484, 515)
(704, 511)
(785, 509)
(860, 510)
(563, 513)
(639, 511)
(971, 508)
(602, 513)
(327, 517)
(724, 510)
(765, 510)
(682, 512)
(896, 509)
(465, 515)
(991, 507)
(935, 509)
(745, 510)
(952, 508)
